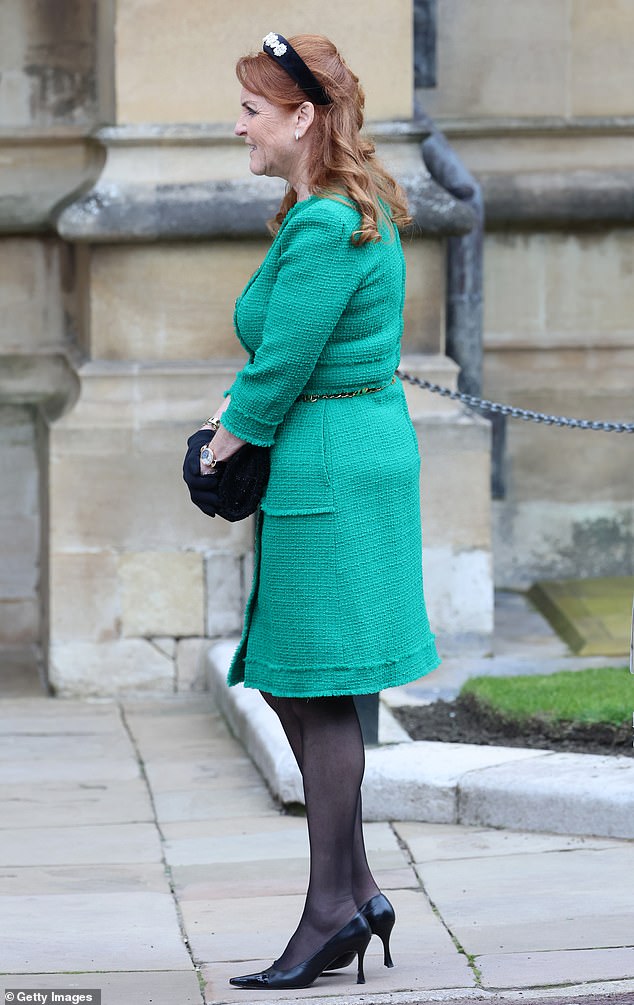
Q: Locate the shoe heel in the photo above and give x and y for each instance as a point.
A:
(379, 914)
(360, 973)
(384, 930)
(387, 959)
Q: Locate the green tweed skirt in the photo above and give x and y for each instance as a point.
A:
(337, 604)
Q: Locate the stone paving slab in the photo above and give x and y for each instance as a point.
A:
(248, 826)
(92, 932)
(532, 970)
(23, 747)
(235, 770)
(434, 842)
(161, 708)
(155, 751)
(84, 845)
(100, 878)
(202, 847)
(191, 805)
(554, 901)
(43, 714)
(158, 988)
(61, 804)
(163, 731)
(41, 772)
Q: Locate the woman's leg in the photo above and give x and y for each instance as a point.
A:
(332, 762)
(363, 883)
(289, 721)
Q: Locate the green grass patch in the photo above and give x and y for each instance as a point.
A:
(597, 695)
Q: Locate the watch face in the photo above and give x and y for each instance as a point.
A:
(207, 457)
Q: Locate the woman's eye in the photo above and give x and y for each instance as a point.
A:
(251, 111)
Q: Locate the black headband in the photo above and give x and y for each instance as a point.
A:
(281, 50)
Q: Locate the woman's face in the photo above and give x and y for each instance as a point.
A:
(269, 132)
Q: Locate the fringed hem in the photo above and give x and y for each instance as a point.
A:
(297, 682)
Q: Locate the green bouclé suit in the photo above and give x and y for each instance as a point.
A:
(337, 603)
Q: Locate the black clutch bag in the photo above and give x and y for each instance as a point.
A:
(235, 487)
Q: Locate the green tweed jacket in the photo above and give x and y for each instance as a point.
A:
(337, 604)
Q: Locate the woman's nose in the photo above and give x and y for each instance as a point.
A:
(240, 128)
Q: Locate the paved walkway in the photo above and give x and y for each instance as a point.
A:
(141, 853)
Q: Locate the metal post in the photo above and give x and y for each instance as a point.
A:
(367, 706)
(464, 286)
(464, 262)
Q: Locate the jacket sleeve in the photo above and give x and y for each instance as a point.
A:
(319, 270)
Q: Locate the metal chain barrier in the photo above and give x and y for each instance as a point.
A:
(517, 413)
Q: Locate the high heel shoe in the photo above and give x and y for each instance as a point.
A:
(379, 914)
(353, 939)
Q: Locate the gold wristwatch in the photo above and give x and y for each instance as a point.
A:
(207, 456)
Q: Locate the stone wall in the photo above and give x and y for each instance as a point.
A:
(537, 100)
(36, 379)
(20, 623)
(50, 65)
(197, 50)
(560, 339)
(546, 58)
(52, 92)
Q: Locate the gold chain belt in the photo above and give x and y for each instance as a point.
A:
(345, 394)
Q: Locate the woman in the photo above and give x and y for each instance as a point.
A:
(337, 604)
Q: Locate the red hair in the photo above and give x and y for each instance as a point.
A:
(343, 161)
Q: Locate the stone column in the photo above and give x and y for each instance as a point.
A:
(49, 101)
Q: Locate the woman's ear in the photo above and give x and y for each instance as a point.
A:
(304, 116)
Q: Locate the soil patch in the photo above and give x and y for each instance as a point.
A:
(466, 720)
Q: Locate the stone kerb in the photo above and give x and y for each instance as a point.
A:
(510, 787)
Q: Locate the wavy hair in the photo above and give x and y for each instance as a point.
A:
(344, 162)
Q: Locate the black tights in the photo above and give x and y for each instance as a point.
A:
(325, 737)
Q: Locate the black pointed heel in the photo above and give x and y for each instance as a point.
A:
(353, 939)
(379, 914)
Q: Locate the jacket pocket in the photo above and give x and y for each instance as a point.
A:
(299, 483)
